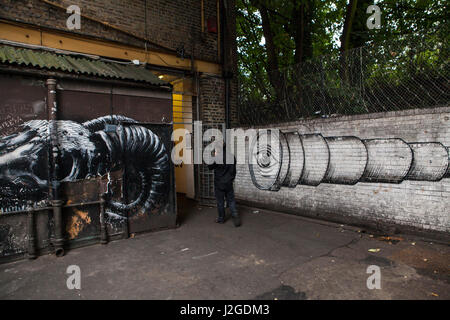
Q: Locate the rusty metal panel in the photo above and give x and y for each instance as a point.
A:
(43, 230)
(82, 221)
(12, 235)
(82, 106)
(82, 101)
(163, 216)
(143, 109)
(22, 99)
(105, 144)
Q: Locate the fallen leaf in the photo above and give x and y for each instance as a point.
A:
(374, 250)
(391, 238)
(434, 294)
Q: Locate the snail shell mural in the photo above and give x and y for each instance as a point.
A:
(287, 159)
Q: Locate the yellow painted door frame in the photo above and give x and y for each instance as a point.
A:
(182, 118)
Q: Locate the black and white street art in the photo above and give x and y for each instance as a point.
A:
(85, 150)
(286, 159)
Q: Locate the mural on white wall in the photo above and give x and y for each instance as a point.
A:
(286, 159)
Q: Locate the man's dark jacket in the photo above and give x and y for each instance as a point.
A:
(224, 174)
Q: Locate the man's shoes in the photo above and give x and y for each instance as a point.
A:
(236, 221)
(220, 220)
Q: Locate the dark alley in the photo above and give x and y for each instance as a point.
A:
(271, 256)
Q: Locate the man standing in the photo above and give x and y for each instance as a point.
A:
(224, 175)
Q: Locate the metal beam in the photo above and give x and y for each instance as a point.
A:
(18, 32)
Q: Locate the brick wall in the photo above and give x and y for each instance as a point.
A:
(171, 24)
(212, 99)
(413, 205)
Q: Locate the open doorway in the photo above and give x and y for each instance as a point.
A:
(183, 118)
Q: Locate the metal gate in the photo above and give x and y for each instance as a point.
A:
(206, 176)
(186, 108)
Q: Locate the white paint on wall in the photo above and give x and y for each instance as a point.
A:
(420, 204)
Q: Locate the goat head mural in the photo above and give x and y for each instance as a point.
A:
(286, 159)
(85, 150)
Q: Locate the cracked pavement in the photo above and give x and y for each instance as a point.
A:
(271, 256)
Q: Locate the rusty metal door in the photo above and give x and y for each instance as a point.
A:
(148, 216)
(92, 160)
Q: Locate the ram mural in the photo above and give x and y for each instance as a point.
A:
(84, 150)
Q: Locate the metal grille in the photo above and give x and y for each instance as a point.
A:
(206, 176)
(409, 72)
(182, 107)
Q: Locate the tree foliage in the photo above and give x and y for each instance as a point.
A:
(275, 34)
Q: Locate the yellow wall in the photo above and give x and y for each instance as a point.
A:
(184, 173)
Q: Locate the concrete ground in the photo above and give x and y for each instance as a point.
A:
(271, 256)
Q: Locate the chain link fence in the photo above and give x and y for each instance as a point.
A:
(409, 72)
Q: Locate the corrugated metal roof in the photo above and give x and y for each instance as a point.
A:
(78, 65)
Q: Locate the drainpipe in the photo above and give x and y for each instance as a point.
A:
(103, 231)
(202, 15)
(226, 73)
(31, 232)
(227, 102)
(54, 156)
(219, 27)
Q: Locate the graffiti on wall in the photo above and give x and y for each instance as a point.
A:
(85, 150)
(286, 159)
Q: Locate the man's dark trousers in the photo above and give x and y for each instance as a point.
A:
(227, 194)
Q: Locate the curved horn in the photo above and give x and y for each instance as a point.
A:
(98, 124)
(139, 148)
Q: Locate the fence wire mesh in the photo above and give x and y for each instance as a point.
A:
(409, 72)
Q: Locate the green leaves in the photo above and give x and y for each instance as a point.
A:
(303, 30)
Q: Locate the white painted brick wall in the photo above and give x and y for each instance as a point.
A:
(418, 204)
